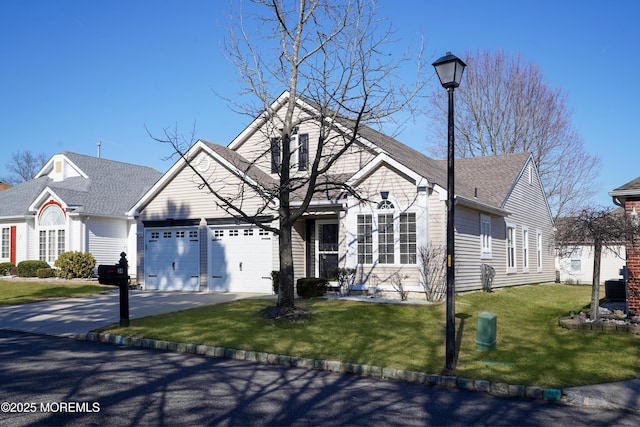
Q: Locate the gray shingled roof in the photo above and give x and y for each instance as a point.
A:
(111, 188)
(629, 187)
(493, 176)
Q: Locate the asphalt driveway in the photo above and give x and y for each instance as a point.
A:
(72, 316)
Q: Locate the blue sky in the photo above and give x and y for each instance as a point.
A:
(76, 72)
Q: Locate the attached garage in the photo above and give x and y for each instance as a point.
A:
(240, 259)
(172, 259)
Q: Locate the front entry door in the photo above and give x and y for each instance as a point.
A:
(327, 248)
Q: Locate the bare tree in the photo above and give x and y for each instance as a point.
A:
(431, 260)
(600, 227)
(333, 62)
(24, 165)
(504, 106)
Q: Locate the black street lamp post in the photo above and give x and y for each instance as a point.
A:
(449, 69)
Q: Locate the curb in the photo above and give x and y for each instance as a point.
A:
(498, 389)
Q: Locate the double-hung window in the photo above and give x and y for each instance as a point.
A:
(576, 260)
(408, 248)
(365, 239)
(485, 237)
(525, 249)
(6, 236)
(386, 245)
(539, 250)
(511, 248)
(298, 152)
(276, 161)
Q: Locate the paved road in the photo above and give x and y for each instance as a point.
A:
(134, 386)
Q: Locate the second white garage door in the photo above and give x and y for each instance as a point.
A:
(240, 259)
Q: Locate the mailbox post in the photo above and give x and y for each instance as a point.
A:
(118, 275)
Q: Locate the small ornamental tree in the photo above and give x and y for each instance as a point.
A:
(598, 227)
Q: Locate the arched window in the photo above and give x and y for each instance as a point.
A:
(51, 215)
(385, 204)
(52, 232)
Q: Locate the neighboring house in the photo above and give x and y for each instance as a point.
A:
(188, 243)
(4, 186)
(75, 203)
(575, 262)
(576, 266)
(628, 197)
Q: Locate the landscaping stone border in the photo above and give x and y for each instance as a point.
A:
(580, 325)
(445, 381)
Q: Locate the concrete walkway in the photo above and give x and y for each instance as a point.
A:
(78, 316)
(72, 316)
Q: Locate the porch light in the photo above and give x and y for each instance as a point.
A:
(633, 217)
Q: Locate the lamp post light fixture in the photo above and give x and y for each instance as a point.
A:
(449, 69)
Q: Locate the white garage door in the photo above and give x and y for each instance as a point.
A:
(172, 259)
(240, 259)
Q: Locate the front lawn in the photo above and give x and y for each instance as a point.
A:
(531, 350)
(24, 291)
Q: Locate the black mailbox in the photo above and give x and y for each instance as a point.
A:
(118, 275)
(115, 275)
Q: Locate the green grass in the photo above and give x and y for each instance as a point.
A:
(531, 350)
(20, 292)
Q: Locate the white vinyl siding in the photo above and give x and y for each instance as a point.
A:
(107, 238)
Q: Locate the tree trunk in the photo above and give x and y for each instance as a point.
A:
(285, 243)
(595, 284)
(286, 288)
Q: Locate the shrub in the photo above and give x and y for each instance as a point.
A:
(75, 265)
(275, 281)
(6, 268)
(345, 277)
(309, 287)
(45, 273)
(29, 268)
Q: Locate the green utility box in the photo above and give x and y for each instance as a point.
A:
(486, 337)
